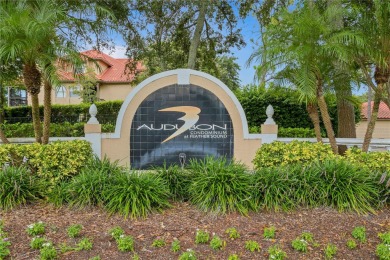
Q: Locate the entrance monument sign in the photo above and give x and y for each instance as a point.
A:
(175, 116)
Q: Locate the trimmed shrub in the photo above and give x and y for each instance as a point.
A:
(64, 129)
(53, 162)
(107, 113)
(278, 153)
(136, 194)
(220, 186)
(289, 132)
(374, 161)
(178, 181)
(18, 186)
(298, 132)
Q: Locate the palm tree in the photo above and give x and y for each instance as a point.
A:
(302, 48)
(373, 22)
(28, 33)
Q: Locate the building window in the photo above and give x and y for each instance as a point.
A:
(17, 97)
(74, 91)
(60, 92)
(80, 69)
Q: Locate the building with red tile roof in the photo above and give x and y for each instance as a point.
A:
(112, 76)
(382, 126)
(383, 113)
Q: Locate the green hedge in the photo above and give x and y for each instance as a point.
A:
(53, 162)
(289, 113)
(107, 112)
(290, 132)
(65, 129)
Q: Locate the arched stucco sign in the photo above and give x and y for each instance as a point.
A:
(180, 112)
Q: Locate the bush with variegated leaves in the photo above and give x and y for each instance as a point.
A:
(280, 154)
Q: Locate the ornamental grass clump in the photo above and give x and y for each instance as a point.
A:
(136, 194)
(332, 182)
(59, 195)
(177, 179)
(86, 189)
(18, 187)
(274, 188)
(348, 187)
(104, 165)
(220, 186)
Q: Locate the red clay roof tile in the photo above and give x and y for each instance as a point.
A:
(383, 113)
(116, 71)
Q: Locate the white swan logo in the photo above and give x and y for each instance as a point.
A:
(190, 118)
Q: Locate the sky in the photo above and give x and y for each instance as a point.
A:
(250, 30)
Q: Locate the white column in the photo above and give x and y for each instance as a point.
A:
(93, 132)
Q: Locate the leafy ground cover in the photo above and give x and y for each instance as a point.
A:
(181, 223)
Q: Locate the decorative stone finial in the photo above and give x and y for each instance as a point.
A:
(270, 113)
(93, 112)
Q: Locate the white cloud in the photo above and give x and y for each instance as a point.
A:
(117, 52)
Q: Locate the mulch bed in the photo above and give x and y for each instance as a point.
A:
(182, 221)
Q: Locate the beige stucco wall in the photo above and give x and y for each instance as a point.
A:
(106, 92)
(381, 130)
(67, 100)
(114, 91)
(119, 148)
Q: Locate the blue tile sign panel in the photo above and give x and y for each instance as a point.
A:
(180, 121)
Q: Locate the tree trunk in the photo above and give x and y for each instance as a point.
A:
(312, 109)
(3, 138)
(346, 127)
(36, 118)
(373, 118)
(32, 80)
(46, 112)
(325, 117)
(196, 38)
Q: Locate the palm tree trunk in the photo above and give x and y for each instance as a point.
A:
(346, 127)
(325, 117)
(46, 112)
(32, 80)
(196, 38)
(3, 138)
(36, 118)
(373, 118)
(312, 109)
